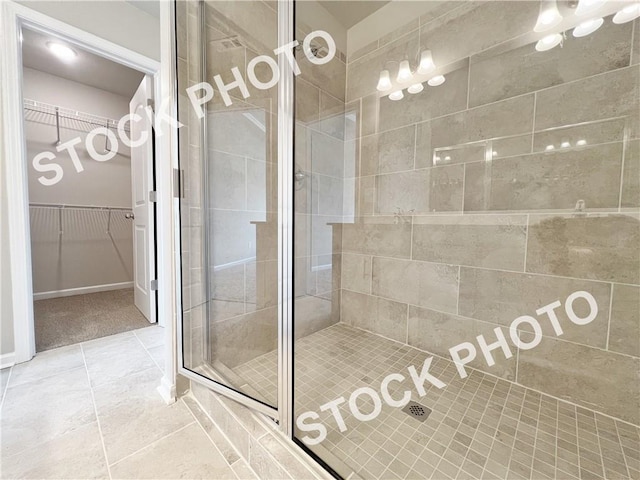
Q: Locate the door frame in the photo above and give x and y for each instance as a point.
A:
(13, 17)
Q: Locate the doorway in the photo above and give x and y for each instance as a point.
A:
(91, 212)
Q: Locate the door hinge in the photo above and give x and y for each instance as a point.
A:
(153, 196)
(154, 285)
(178, 186)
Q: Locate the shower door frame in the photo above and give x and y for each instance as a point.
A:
(283, 412)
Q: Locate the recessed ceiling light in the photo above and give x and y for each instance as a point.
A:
(62, 51)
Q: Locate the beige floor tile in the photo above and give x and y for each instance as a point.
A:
(132, 415)
(158, 355)
(4, 378)
(151, 336)
(76, 454)
(243, 471)
(187, 453)
(47, 364)
(115, 357)
(37, 412)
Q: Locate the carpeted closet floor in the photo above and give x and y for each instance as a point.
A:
(68, 320)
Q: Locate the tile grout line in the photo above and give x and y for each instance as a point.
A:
(151, 444)
(146, 350)
(6, 387)
(95, 411)
(609, 317)
(624, 455)
(526, 241)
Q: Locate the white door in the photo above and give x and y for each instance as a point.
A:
(143, 222)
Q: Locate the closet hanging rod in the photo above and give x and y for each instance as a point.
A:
(69, 114)
(87, 207)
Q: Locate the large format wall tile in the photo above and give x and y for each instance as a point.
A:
(496, 241)
(501, 119)
(541, 181)
(605, 131)
(499, 75)
(462, 34)
(430, 103)
(612, 94)
(375, 314)
(391, 151)
(624, 331)
(420, 191)
(437, 332)
(425, 284)
(631, 175)
(356, 272)
(604, 381)
(602, 247)
(379, 236)
(501, 297)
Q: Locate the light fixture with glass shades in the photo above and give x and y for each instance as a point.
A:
(406, 75)
(397, 95)
(548, 17)
(587, 27)
(62, 51)
(627, 14)
(435, 81)
(589, 6)
(384, 82)
(404, 72)
(549, 42)
(415, 88)
(426, 63)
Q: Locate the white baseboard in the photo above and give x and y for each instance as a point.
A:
(7, 360)
(82, 290)
(167, 391)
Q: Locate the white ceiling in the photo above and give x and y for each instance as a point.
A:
(349, 12)
(87, 68)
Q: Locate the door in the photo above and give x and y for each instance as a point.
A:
(143, 220)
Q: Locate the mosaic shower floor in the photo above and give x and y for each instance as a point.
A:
(480, 427)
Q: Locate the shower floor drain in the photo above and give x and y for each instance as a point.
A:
(417, 411)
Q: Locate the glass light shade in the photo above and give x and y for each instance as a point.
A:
(548, 148)
(548, 42)
(565, 144)
(62, 51)
(415, 88)
(384, 82)
(404, 72)
(426, 63)
(548, 17)
(581, 143)
(628, 13)
(396, 95)
(437, 80)
(588, 27)
(588, 6)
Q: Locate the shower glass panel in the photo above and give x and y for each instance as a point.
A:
(467, 238)
(228, 208)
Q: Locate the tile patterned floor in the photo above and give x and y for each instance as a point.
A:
(480, 427)
(91, 410)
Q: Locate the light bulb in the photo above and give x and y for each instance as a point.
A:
(628, 13)
(437, 80)
(548, 42)
(548, 148)
(395, 96)
(548, 17)
(565, 144)
(588, 6)
(585, 28)
(62, 51)
(426, 63)
(384, 82)
(415, 88)
(581, 143)
(404, 72)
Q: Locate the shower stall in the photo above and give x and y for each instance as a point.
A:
(410, 230)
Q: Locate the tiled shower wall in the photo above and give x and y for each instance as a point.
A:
(466, 221)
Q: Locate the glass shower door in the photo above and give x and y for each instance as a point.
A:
(228, 209)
